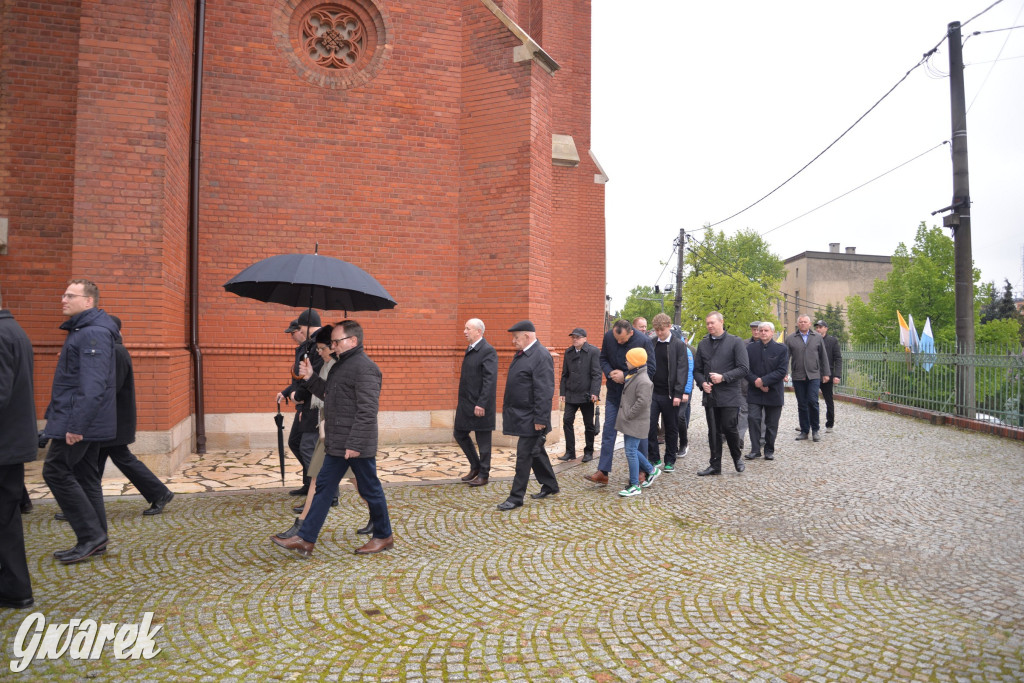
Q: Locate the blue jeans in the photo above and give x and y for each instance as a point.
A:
(806, 391)
(327, 481)
(636, 459)
(608, 436)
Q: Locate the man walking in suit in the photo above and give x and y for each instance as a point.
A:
(809, 369)
(580, 388)
(766, 390)
(720, 369)
(478, 388)
(526, 413)
(835, 365)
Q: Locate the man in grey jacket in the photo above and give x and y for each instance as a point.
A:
(808, 369)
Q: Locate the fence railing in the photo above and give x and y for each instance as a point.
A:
(890, 373)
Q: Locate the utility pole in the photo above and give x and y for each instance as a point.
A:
(677, 317)
(960, 222)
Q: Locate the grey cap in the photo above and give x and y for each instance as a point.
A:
(578, 332)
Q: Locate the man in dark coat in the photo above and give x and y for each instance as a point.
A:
(526, 413)
(305, 431)
(616, 344)
(18, 445)
(580, 388)
(671, 381)
(351, 397)
(151, 488)
(835, 365)
(720, 369)
(82, 415)
(809, 364)
(765, 389)
(475, 411)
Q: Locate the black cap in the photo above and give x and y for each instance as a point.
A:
(308, 317)
(578, 332)
(523, 326)
(821, 323)
(293, 326)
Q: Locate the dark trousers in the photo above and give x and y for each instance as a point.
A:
(15, 582)
(303, 437)
(661, 407)
(830, 404)
(722, 421)
(72, 473)
(763, 419)
(481, 461)
(331, 473)
(806, 391)
(683, 426)
(151, 488)
(568, 422)
(531, 455)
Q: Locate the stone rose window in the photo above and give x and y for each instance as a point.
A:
(341, 44)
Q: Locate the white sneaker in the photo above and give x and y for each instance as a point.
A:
(630, 491)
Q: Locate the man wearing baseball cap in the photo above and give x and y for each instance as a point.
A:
(580, 388)
(304, 433)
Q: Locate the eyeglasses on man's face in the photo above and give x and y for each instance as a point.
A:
(66, 295)
(335, 342)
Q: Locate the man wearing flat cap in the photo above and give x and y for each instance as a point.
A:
(304, 433)
(580, 387)
(526, 413)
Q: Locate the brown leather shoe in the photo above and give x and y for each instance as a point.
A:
(472, 474)
(376, 545)
(598, 477)
(303, 549)
(643, 476)
(480, 480)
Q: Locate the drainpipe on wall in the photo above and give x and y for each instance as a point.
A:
(193, 227)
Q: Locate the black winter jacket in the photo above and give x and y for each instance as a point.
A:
(478, 386)
(18, 437)
(613, 357)
(82, 400)
(529, 390)
(769, 362)
(351, 397)
(581, 374)
(728, 357)
(124, 397)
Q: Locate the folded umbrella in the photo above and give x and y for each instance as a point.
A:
(279, 419)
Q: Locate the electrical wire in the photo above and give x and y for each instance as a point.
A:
(980, 13)
(998, 55)
(932, 149)
(923, 60)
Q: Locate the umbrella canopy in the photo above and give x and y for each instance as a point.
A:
(313, 281)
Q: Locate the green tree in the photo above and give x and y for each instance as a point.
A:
(737, 275)
(921, 283)
(646, 303)
(833, 315)
(997, 308)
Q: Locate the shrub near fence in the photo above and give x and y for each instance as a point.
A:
(891, 374)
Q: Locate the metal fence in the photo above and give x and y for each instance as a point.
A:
(892, 374)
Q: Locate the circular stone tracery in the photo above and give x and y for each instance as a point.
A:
(334, 45)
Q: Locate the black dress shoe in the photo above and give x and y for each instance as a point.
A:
(297, 509)
(708, 471)
(543, 494)
(58, 554)
(25, 509)
(587, 457)
(83, 551)
(738, 462)
(366, 530)
(769, 456)
(801, 437)
(334, 502)
(294, 531)
(16, 603)
(158, 507)
(508, 505)
(60, 516)
(566, 457)
(299, 492)
(752, 456)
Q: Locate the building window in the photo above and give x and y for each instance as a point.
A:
(333, 37)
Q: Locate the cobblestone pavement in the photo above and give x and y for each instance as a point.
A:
(892, 550)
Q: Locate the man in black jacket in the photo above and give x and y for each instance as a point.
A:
(526, 413)
(351, 397)
(18, 445)
(720, 370)
(304, 432)
(82, 414)
(475, 411)
(580, 388)
(835, 364)
(671, 375)
(151, 488)
(765, 390)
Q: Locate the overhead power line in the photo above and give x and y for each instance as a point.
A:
(980, 13)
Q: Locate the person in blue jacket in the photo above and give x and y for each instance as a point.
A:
(82, 415)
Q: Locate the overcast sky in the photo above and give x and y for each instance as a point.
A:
(700, 109)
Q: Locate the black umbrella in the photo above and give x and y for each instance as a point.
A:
(311, 281)
(279, 419)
